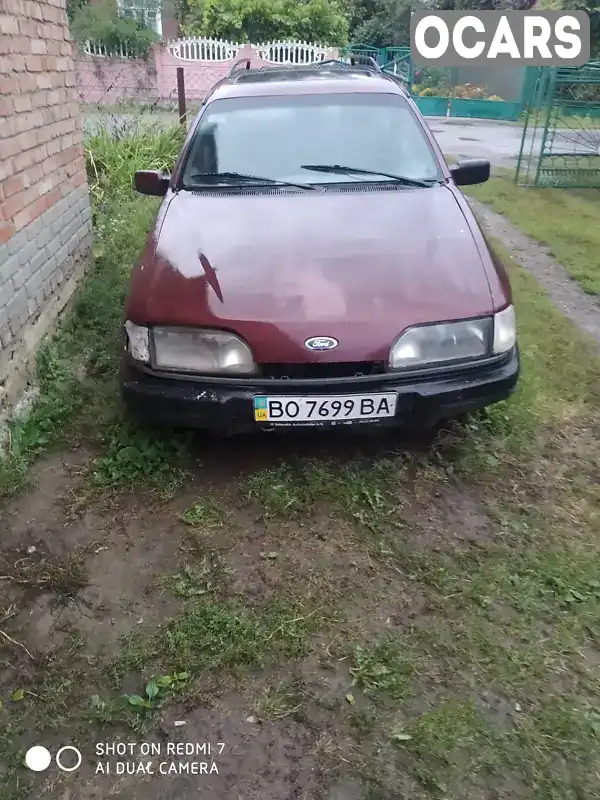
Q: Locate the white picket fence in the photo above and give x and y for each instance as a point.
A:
(215, 50)
(197, 49)
(92, 48)
(292, 52)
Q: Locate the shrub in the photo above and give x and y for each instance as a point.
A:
(118, 149)
(258, 21)
(101, 24)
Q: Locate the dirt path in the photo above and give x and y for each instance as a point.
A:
(571, 300)
(343, 610)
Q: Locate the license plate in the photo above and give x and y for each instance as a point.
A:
(330, 408)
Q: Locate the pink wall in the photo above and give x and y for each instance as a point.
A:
(105, 81)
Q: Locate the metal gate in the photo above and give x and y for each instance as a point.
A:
(560, 145)
(449, 92)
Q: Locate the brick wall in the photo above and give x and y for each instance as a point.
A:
(45, 216)
(105, 81)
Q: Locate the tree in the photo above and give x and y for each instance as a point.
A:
(385, 23)
(592, 7)
(382, 23)
(101, 23)
(267, 20)
(484, 5)
(73, 6)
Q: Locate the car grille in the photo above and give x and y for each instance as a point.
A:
(325, 370)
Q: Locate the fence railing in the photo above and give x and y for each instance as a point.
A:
(125, 50)
(202, 49)
(216, 50)
(292, 52)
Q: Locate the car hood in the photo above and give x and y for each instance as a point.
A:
(278, 268)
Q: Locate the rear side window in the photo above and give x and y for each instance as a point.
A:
(273, 137)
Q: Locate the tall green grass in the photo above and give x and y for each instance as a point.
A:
(75, 367)
(113, 154)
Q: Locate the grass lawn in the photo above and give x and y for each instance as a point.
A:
(358, 619)
(567, 222)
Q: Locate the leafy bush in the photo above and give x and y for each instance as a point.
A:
(469, 91)
(100, 23)
(258, 21)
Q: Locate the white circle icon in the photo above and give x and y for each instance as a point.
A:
(38, 758)
(65, 749)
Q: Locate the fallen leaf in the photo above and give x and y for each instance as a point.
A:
(18, 694)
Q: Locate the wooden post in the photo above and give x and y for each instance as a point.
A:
(181, 96)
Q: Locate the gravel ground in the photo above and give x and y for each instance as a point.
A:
(579, 307)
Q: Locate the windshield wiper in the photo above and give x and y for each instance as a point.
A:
(209, 178)
(338, 168)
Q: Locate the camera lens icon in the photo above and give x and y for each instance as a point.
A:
(38, 758)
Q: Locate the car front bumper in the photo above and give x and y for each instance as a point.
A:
(225, 406)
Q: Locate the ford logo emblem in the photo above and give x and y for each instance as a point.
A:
(321, 343)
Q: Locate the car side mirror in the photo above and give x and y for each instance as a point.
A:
(468, 173)
(152, 182)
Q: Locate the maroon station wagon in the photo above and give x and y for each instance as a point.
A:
(313, 263)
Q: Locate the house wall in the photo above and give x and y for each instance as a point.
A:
(45, 216)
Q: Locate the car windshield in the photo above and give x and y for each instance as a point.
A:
(310, 139)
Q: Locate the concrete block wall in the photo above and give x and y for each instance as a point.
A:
(45, 215)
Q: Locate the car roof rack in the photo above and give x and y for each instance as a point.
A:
(243, 69)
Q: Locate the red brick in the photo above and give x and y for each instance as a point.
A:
(49, 182)
(22, 102)
(78, 179)
(39, 98)
(7, 168)
(28, 157)
(8, 24)
(42, 80)
(38, 47)
(6, 231)
(27, 139)
(20, 44)
(27, 82)
(7, 105)
(15, 204)
(35, 11)
(34, 174)
(40, 127)
(34, 63)
(12, 185)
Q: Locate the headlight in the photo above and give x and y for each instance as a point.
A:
(205, 351)
(434, 344)
(505, 330)
(455, 341)
(138, 341)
